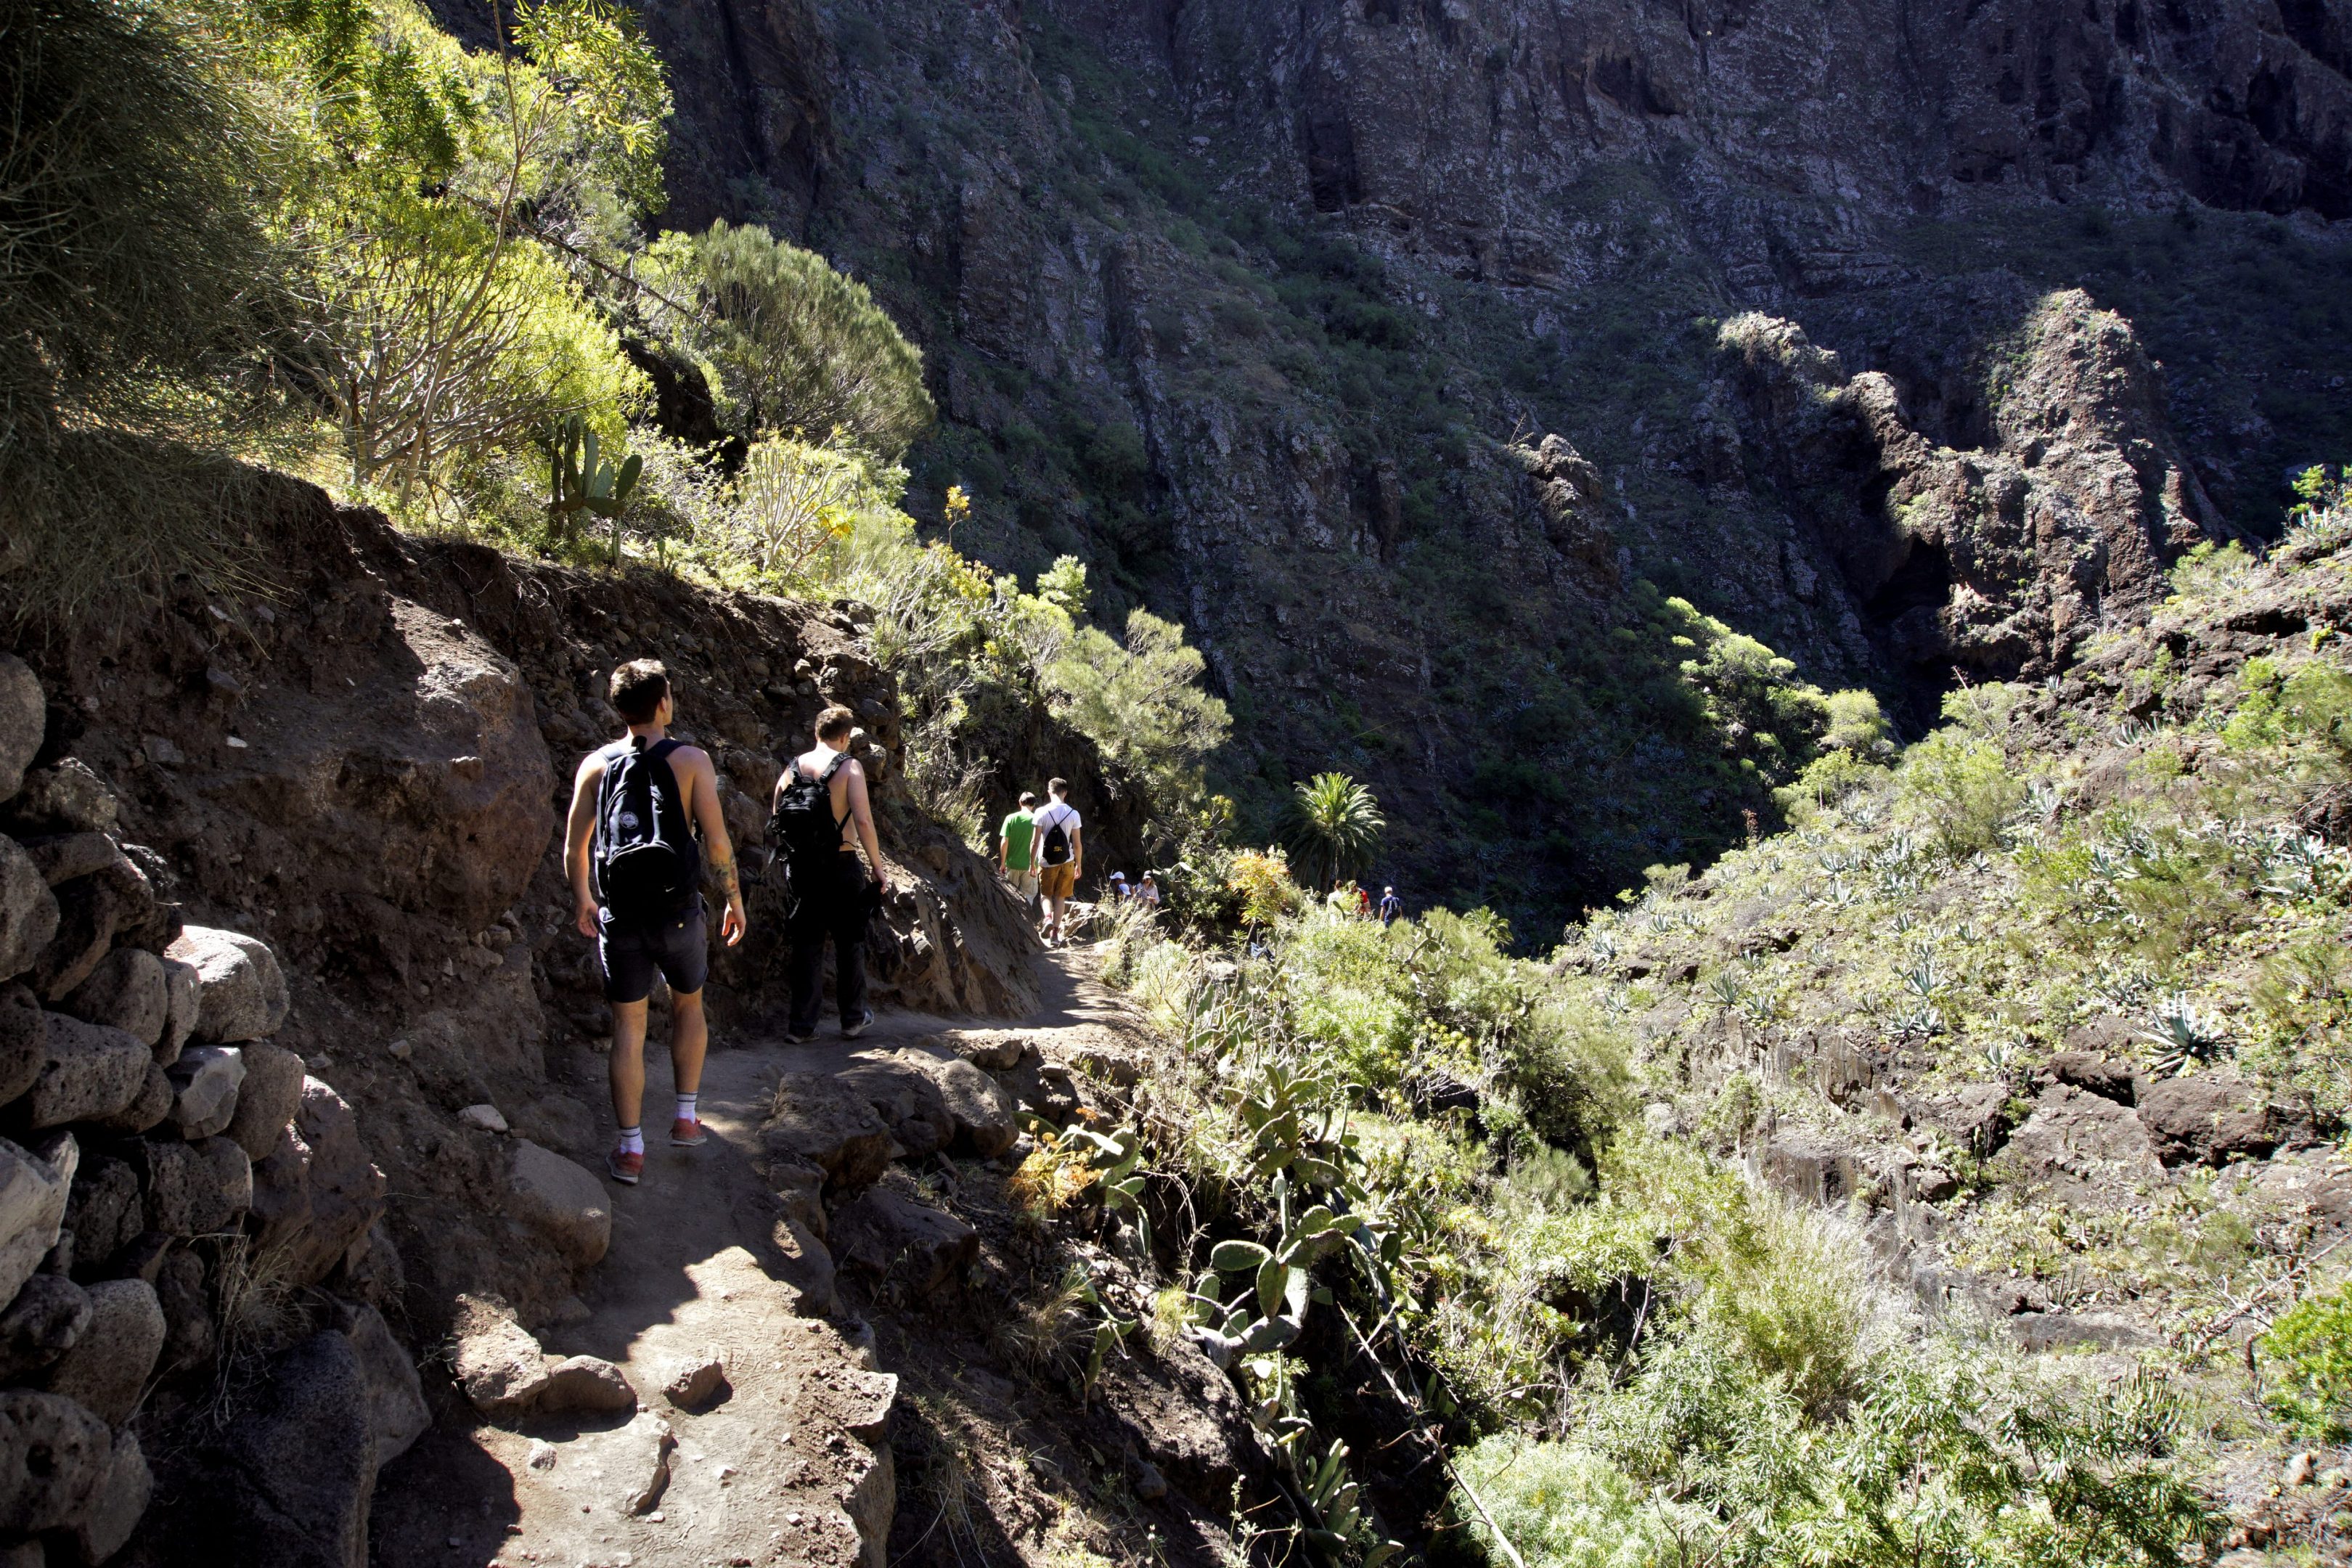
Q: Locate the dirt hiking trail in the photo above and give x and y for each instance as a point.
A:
(787, 1461)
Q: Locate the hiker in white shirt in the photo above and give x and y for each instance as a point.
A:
(1058, 854)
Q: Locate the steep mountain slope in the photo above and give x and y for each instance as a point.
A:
(1241, 304)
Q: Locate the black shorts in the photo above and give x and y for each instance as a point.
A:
(679, 950)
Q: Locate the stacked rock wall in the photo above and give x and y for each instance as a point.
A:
(178, 1197)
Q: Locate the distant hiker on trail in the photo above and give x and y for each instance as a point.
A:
(1061, 854)
(636, 885)
(1118, 888)
(1392, 907)
(1147, 893)
(820, 799)
(1013, 839)
(1363, 903)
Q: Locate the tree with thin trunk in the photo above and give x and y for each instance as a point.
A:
(1337, 824)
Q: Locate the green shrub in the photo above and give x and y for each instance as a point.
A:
(2307, 1354)
(1963, 786)
(789, 343)
(1561, 1505)
(1789, 1295)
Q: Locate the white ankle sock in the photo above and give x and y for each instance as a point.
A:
(633, 1140)
(685, 1107)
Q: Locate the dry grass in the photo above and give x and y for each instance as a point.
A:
(1049, 1183)
(1043, 1336)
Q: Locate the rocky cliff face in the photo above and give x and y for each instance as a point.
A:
(1242, 304)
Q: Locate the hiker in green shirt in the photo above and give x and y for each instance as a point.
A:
(1012, 841)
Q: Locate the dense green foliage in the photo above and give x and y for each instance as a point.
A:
(1645, 1353)
(2308, 1352)
(786, 342)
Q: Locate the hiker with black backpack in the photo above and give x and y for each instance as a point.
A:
(1060, 852)
(636, 881)
(820, 803)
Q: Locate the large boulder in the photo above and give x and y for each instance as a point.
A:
(24, 720)
(126, 991)
(106, 1370)
(54, 1456)
(116, 1503)
(267, 1098)
(2081, 1147)
(2211, 1116)
(828, 1124)
(117, 900)
(986, 1119)
(294, 1471)
(32, 1211)
(64, 797)
(40, 1325)
(498, 1364)
(397, 1414)
(88, 1071)
(204, 1083)
(147, 1108)
(902, 1093)
(196, 1189)
(28, 910)
(318, 1192)
(69, 856)
(241, 989)
(24, 1040)
(562, 1201)
(104, 1211)
(887, 1236)
(588, 1384)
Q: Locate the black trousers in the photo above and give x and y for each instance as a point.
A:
(833, 901)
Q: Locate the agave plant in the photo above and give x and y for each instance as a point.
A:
(2184, 1035)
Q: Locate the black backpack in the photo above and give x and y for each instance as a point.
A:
(645, 864)
(802, 829)
(1055, 851)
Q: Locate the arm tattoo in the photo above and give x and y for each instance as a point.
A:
(723, 867)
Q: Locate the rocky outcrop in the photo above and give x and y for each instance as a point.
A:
(1999, 559)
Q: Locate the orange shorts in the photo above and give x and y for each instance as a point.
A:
(1057, 881)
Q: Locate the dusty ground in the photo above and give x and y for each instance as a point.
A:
(994, 1453)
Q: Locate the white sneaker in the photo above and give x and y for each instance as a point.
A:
(865, 1022)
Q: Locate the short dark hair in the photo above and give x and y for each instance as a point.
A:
(1057, 786)
(1028, 798)
(638, 687)
(835, 722)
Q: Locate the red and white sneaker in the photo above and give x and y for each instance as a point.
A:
(625, 1167)
(687, 1132)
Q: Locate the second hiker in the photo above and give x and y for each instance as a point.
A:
(636, 885)
(1060, 853)
(1014, 840)
(820, 804)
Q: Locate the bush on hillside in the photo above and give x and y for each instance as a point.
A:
(1959, 778)
(787, 343)
(136, 286)
(1140, 699)
(2308, 1356)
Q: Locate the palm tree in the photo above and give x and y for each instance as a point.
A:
(1337, 824)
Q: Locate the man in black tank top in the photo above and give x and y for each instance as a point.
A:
(833, 895)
